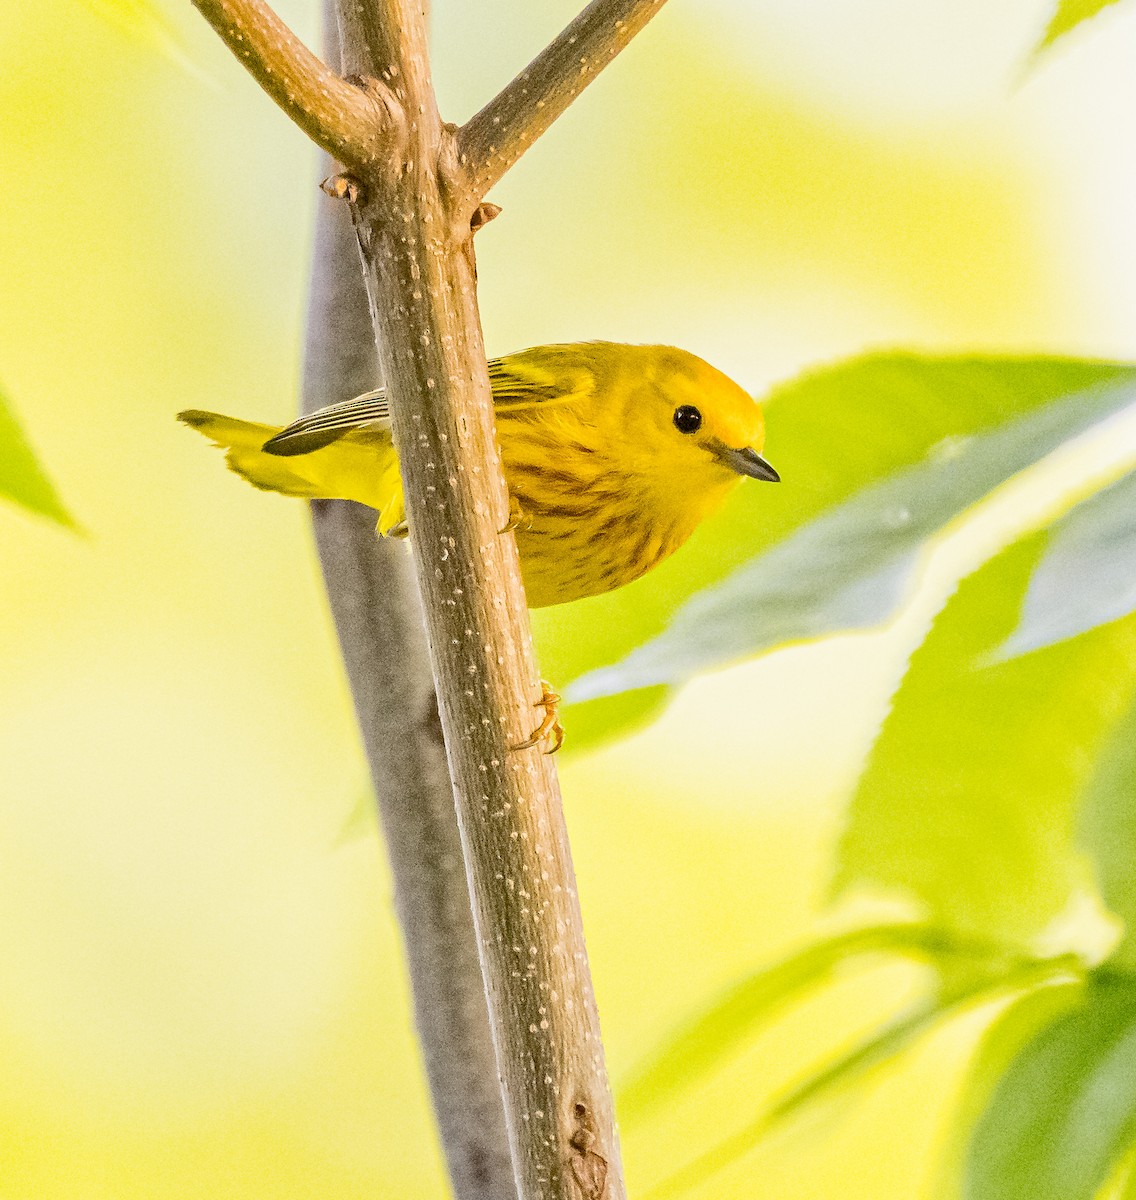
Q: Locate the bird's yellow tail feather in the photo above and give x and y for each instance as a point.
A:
(359, 466)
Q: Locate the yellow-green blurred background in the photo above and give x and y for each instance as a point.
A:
(201, 986)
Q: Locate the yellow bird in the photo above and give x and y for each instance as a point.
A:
(613, 456)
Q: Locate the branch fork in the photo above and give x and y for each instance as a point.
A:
(359, 120)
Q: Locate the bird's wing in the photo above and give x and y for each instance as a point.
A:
(522, 381)
(327, 425)
(535, 378)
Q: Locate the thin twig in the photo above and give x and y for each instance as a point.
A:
(352, 123)
(492, 140)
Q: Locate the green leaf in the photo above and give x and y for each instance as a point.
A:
(1108, 828)
(832, 432)
(849, 1068)
(837, 1073)
(1024, 977)
(22, 480)
(1001, 1042)
(1064, 1113)
(967, 804)
(705, 1040)
(1068, 15)
(850, 567)
(1087, 576)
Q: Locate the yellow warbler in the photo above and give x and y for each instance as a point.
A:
(613, 455)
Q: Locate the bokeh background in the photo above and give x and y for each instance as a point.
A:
(201, 989)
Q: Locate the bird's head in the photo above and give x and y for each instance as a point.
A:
(705, 431)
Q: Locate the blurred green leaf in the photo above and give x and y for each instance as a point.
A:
(850, 1067)
(699, 1045)
(1018, 1023)
(1068, 15)
(1108, 828)
(1023, 977)
(1065, 1111)
(1087, 576)
(842, 1071)
(22, 480)
(967, 805)
(850, 566)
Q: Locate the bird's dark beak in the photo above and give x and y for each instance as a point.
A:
(747, 461)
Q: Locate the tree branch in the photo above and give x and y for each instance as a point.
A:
(492, 141)
(412, 219)
(374, 601)
(418, 259)
(354, 124)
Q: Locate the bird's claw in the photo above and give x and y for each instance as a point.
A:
(517, 517)
(549, 726)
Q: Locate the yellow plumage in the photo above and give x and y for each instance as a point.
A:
(613, 455)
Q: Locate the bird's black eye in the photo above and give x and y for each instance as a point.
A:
(687, 418)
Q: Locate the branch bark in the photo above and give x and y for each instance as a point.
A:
(375, 605)
(412, 215)
(492, 141)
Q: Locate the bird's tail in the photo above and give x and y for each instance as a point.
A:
(360, 466)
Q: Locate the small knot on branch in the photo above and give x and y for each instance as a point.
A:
(485, 212)
(589, 1169)
(342, 187)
